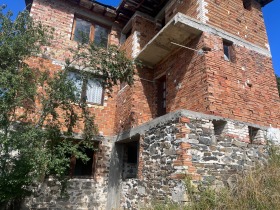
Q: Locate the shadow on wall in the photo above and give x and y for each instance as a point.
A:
(114, 188)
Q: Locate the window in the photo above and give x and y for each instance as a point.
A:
(80, 168)
(219, 126)
(85, 31)
(253, 133)
(130, 159)
(89, 89)
(247, 4)
(228, 51)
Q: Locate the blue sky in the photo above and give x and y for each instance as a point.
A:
(271, 17)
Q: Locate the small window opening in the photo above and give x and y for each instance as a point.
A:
(130, 160)
(247, 4)
(79, 168)
(219, 126)
(253, 133)
(228, 51)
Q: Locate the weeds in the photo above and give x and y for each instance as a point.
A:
(258, 189)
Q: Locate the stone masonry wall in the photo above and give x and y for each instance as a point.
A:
(82, 193)
(207, 149)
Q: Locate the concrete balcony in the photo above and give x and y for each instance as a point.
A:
(180, 29)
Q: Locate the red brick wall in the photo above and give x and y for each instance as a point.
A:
(232, 17)
(104, 115)
(59, 15)
(227, 15)
(187, 7)
(204, 83)
(147, 29)
(135, 105)
(186, 79)
(229, 85)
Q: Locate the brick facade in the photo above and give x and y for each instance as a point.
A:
(198, 78)
(204, 83)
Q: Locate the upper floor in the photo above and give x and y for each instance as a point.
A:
(208, 56)
(179, 21)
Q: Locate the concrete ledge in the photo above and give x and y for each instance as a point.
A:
(173, 116)
(186, 29)
(181, 18)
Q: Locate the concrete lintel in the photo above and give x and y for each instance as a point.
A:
(173, 116)
(179, 17)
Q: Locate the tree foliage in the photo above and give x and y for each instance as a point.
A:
(38, 110)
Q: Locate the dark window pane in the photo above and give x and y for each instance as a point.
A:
(82, 30)
(226, 52)
(100, 36)
(84, 169)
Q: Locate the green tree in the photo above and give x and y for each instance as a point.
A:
(38, 109)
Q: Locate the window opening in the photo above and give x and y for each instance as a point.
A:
(85, 31)
(80, 168)
(247, 4)
(219, 126)
(252, 133)
(89, 89)
(161, 97)
(228, 51)
(130, 160)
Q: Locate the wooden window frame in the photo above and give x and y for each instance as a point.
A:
(230, 56)
(84, 90)
(84, 93)
(73, 164)
(92, 28)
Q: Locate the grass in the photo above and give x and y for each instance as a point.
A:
(257, 190)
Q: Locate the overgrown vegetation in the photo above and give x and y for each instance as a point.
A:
(257, 189)
(38, 108)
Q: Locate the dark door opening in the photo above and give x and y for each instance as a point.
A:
(130, 159)
(161, 97)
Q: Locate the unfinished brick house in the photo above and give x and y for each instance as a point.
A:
(203, 103)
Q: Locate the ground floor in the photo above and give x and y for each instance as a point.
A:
(151, 162)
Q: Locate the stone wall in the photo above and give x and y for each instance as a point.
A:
(205, 148)
(209, 150)
(83, 193)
